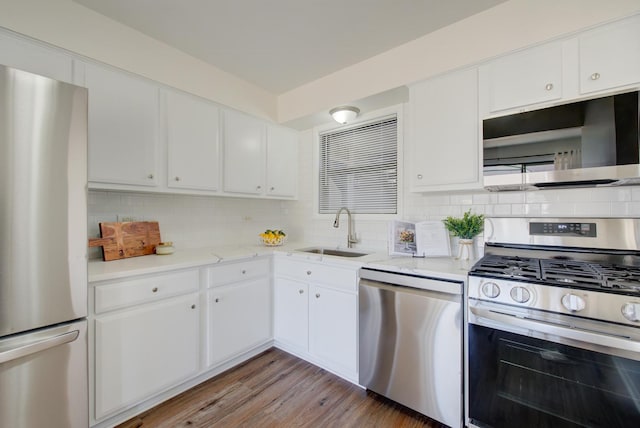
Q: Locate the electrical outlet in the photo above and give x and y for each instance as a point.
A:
(123, 218)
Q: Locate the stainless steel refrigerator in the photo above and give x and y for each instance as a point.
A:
(43, 244)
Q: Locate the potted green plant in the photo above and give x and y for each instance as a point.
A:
(465, 228)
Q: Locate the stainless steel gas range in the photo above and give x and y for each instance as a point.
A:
(554, 324)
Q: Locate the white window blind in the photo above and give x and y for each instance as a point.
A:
(359, 168)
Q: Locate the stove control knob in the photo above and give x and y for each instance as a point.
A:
(520, 294)
(491, 290)
(631, 311)
(573, 303)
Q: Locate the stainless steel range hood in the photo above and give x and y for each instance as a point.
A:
(584, 177)
(589, 143)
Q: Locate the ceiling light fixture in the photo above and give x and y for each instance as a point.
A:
(344, 114)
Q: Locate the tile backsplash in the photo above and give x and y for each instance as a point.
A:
(200, 221)
(192, 221)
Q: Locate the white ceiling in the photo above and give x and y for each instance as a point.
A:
(279, 45)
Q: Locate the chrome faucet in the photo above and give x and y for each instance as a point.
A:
(351, 238)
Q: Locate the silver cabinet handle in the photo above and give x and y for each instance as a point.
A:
(244, 271)
(193, 306)
(150, 176)
(177, 178)
(419, 176)
(301, 291)
(217, 299)
(549, 86)
(308, 272)
(272, 189)
(595, 76)
(317, 295)
(154, 289)
(38, 346)
(258, 187)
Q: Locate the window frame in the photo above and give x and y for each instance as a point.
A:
(374, 116)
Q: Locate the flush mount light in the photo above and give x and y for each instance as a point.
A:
(344, 114)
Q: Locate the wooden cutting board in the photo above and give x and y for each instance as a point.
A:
(121, 240)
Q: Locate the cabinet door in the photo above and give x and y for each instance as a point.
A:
(282, 162)
(193, 142)
(291, 313)
(524, 78)
(123, 128)
(444, 142)
(333, 328)
(141, 351)
(28, 56)
(239, 318)
(244, 154)
(610, 56)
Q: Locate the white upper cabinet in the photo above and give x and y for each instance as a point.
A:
(524, 78)
(123, 128)
(444, 146)
(282, 162)
(244, 153)
(193, 144)
(610, 56)
(28, 56)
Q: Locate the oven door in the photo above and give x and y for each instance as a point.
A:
(526, 373)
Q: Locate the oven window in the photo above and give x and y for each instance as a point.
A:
(519, 381)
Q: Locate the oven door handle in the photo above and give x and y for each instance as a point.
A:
(596, 338)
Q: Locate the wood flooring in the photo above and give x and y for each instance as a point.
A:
(275, 389)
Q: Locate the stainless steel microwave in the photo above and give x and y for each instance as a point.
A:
(588, 143)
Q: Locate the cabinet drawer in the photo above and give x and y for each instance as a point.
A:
(338, 277)
(145, 289)
(232, 272)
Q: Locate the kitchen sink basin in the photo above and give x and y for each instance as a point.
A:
(333, 252)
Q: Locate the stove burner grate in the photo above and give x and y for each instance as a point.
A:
(564, 273)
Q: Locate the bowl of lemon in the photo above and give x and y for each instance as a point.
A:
(273, 237)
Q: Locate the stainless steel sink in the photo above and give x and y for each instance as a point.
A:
(332, 252)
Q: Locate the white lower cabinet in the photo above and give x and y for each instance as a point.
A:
(154, 335)
(332, 328)
(292, 313)
(142, 350)
(316, 313)
(240, 310)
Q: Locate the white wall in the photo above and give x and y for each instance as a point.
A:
(587, 202)
(509, 26)
(68, 25)
(194, 221)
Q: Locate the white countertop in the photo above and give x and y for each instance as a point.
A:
(438, 267)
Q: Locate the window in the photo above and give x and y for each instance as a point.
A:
(359, 168)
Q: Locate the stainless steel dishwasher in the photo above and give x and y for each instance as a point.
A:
(410, 342)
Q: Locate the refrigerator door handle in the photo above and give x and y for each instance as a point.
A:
(37, 346)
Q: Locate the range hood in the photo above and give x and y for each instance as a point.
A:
(620, 175)
(591, 143)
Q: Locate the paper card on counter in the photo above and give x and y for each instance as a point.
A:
(402, 241)
(432, 239)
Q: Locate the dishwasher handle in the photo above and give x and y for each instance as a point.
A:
(402, 289)
(410, 281)
(36, 346)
